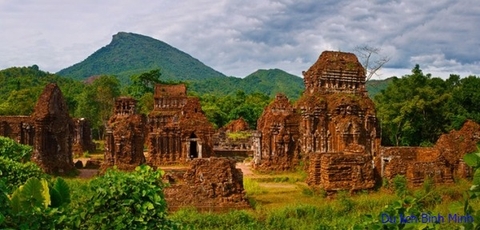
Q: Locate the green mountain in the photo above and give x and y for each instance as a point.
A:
(269, 82)
(374, 87)
(130, 54)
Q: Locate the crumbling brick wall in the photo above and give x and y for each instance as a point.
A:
(340, 171)
(440, 163)
(18, 128)
(455, 144)
(211, 184)
(125, 136)
(53, 132)
(236, 147)
(236, 126)
(416, 163)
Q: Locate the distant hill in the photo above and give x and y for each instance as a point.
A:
(374, 87)
(269, 82)
(129, 54)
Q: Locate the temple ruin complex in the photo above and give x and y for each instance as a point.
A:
(53, 134)
(333, 128)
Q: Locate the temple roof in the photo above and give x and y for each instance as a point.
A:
(336, 61)
(179, 90)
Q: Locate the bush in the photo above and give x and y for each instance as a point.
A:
(400, 185)
(15, 173)
(14, 151)
(36, 204)
(124, 200)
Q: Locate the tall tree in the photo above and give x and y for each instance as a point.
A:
(412, 109)
(97, 101)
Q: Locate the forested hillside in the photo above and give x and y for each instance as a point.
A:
(269, 82)
(129, 54)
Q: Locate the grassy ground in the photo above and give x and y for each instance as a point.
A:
(284, 201)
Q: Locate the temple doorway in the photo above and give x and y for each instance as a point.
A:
(193, 146)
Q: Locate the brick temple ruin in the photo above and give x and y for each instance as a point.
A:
(125, 136)
(177, 128)
(53, 134)
(441, 163)
(240, 146)
(333, 128)
(209, 184)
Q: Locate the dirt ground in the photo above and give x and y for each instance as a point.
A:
(246, 168)
(87, 173)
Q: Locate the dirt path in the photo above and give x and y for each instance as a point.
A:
(246, 168)
(87, 173)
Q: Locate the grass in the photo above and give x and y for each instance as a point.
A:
(239, 135)
(283, 201)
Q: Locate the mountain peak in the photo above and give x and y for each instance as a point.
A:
(130, 54)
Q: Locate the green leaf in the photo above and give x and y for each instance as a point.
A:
(472, 160)
(33, 194)
(63, 189)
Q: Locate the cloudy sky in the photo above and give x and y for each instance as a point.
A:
(238, 37)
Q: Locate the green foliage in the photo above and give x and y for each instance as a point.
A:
(346, 202)
(59, 192)
(473, 160)
(21, 87)
(33, 194)
(136, 197)
(37, 205)
(239, 135)
(15, 173)
(417, 108)
(96, 102)
(221, 110)
(12, 150)
(399, 183)
(252, 187)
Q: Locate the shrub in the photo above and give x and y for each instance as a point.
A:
(36, 204)
(400, 185)
(15, 173)
(14, 151)
(123, 200)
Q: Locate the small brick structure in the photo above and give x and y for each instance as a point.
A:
(236, 126)
(82, 137)
(278, 142)
(125, 136)
(210, 184)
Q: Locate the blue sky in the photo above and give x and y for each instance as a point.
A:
(238, 37)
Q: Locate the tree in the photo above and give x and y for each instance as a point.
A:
(144, 83)
(96, 102)
(412, 109)
(371, 59)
